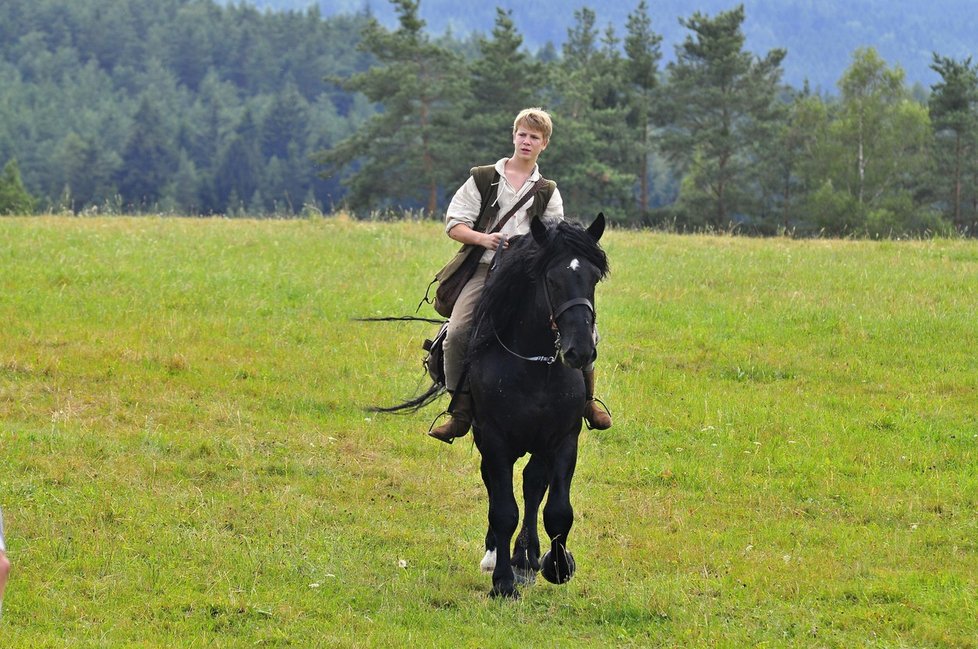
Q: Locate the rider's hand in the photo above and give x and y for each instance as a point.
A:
(494, 240)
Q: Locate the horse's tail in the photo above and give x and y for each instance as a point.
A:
(435, 390)
(415, 404)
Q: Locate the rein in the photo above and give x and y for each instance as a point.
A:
(549, 360)
(554, 314)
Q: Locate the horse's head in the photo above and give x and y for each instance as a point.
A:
(573, 266)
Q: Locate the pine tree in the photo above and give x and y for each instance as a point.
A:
(643, 53)
(148, 162)
(495, 99)
(286, 121)
(238, 172)
(407, 151)
(86, 169)
(789, 168)
(954, 114)
(589, 157)
(719, 98)
(14, 198)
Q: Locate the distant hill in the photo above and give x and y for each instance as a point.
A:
(820, 35)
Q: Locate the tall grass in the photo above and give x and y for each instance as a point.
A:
(186, 459)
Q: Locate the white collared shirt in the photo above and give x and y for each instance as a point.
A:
(466, 202)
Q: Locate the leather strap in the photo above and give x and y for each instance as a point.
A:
(520, 203)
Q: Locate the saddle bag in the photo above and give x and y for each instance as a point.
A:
(434, 360)
(453, 277)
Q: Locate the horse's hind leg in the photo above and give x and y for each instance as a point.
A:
(557, 565)
(526, 552)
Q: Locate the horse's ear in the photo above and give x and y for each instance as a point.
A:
(539, 231)
(596, 229)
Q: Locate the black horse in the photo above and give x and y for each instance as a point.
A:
(534, 333)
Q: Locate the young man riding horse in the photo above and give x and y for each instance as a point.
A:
(515, 177)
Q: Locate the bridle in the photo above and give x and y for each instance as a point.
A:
(554, 314)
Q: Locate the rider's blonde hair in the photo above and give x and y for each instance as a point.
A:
(535, 119)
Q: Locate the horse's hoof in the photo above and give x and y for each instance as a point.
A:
(488, 563)
(525, 576)
(560, 569)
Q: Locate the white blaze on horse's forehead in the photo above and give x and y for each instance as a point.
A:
(575, 264)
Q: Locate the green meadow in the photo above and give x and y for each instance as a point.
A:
(186, 459)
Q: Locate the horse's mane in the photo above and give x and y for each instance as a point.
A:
(521, 265)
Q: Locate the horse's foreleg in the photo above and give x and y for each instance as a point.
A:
(503, 517)
(526, 552)
(558, 516)
(488, 563)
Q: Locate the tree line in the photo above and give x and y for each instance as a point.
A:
(713, 140)
(205, 109)
(174, 106)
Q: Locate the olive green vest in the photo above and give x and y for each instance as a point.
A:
(487, 180)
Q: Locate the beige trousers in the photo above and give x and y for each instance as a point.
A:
(460, 326)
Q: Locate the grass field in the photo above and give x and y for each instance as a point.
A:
(186, 459)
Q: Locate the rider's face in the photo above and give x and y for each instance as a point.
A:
(528, 144)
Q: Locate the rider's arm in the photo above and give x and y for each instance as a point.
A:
(464, 234)
(461, 217)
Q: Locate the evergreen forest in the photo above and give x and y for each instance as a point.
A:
(195, 107)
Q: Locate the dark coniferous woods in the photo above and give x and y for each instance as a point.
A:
(188, 107)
